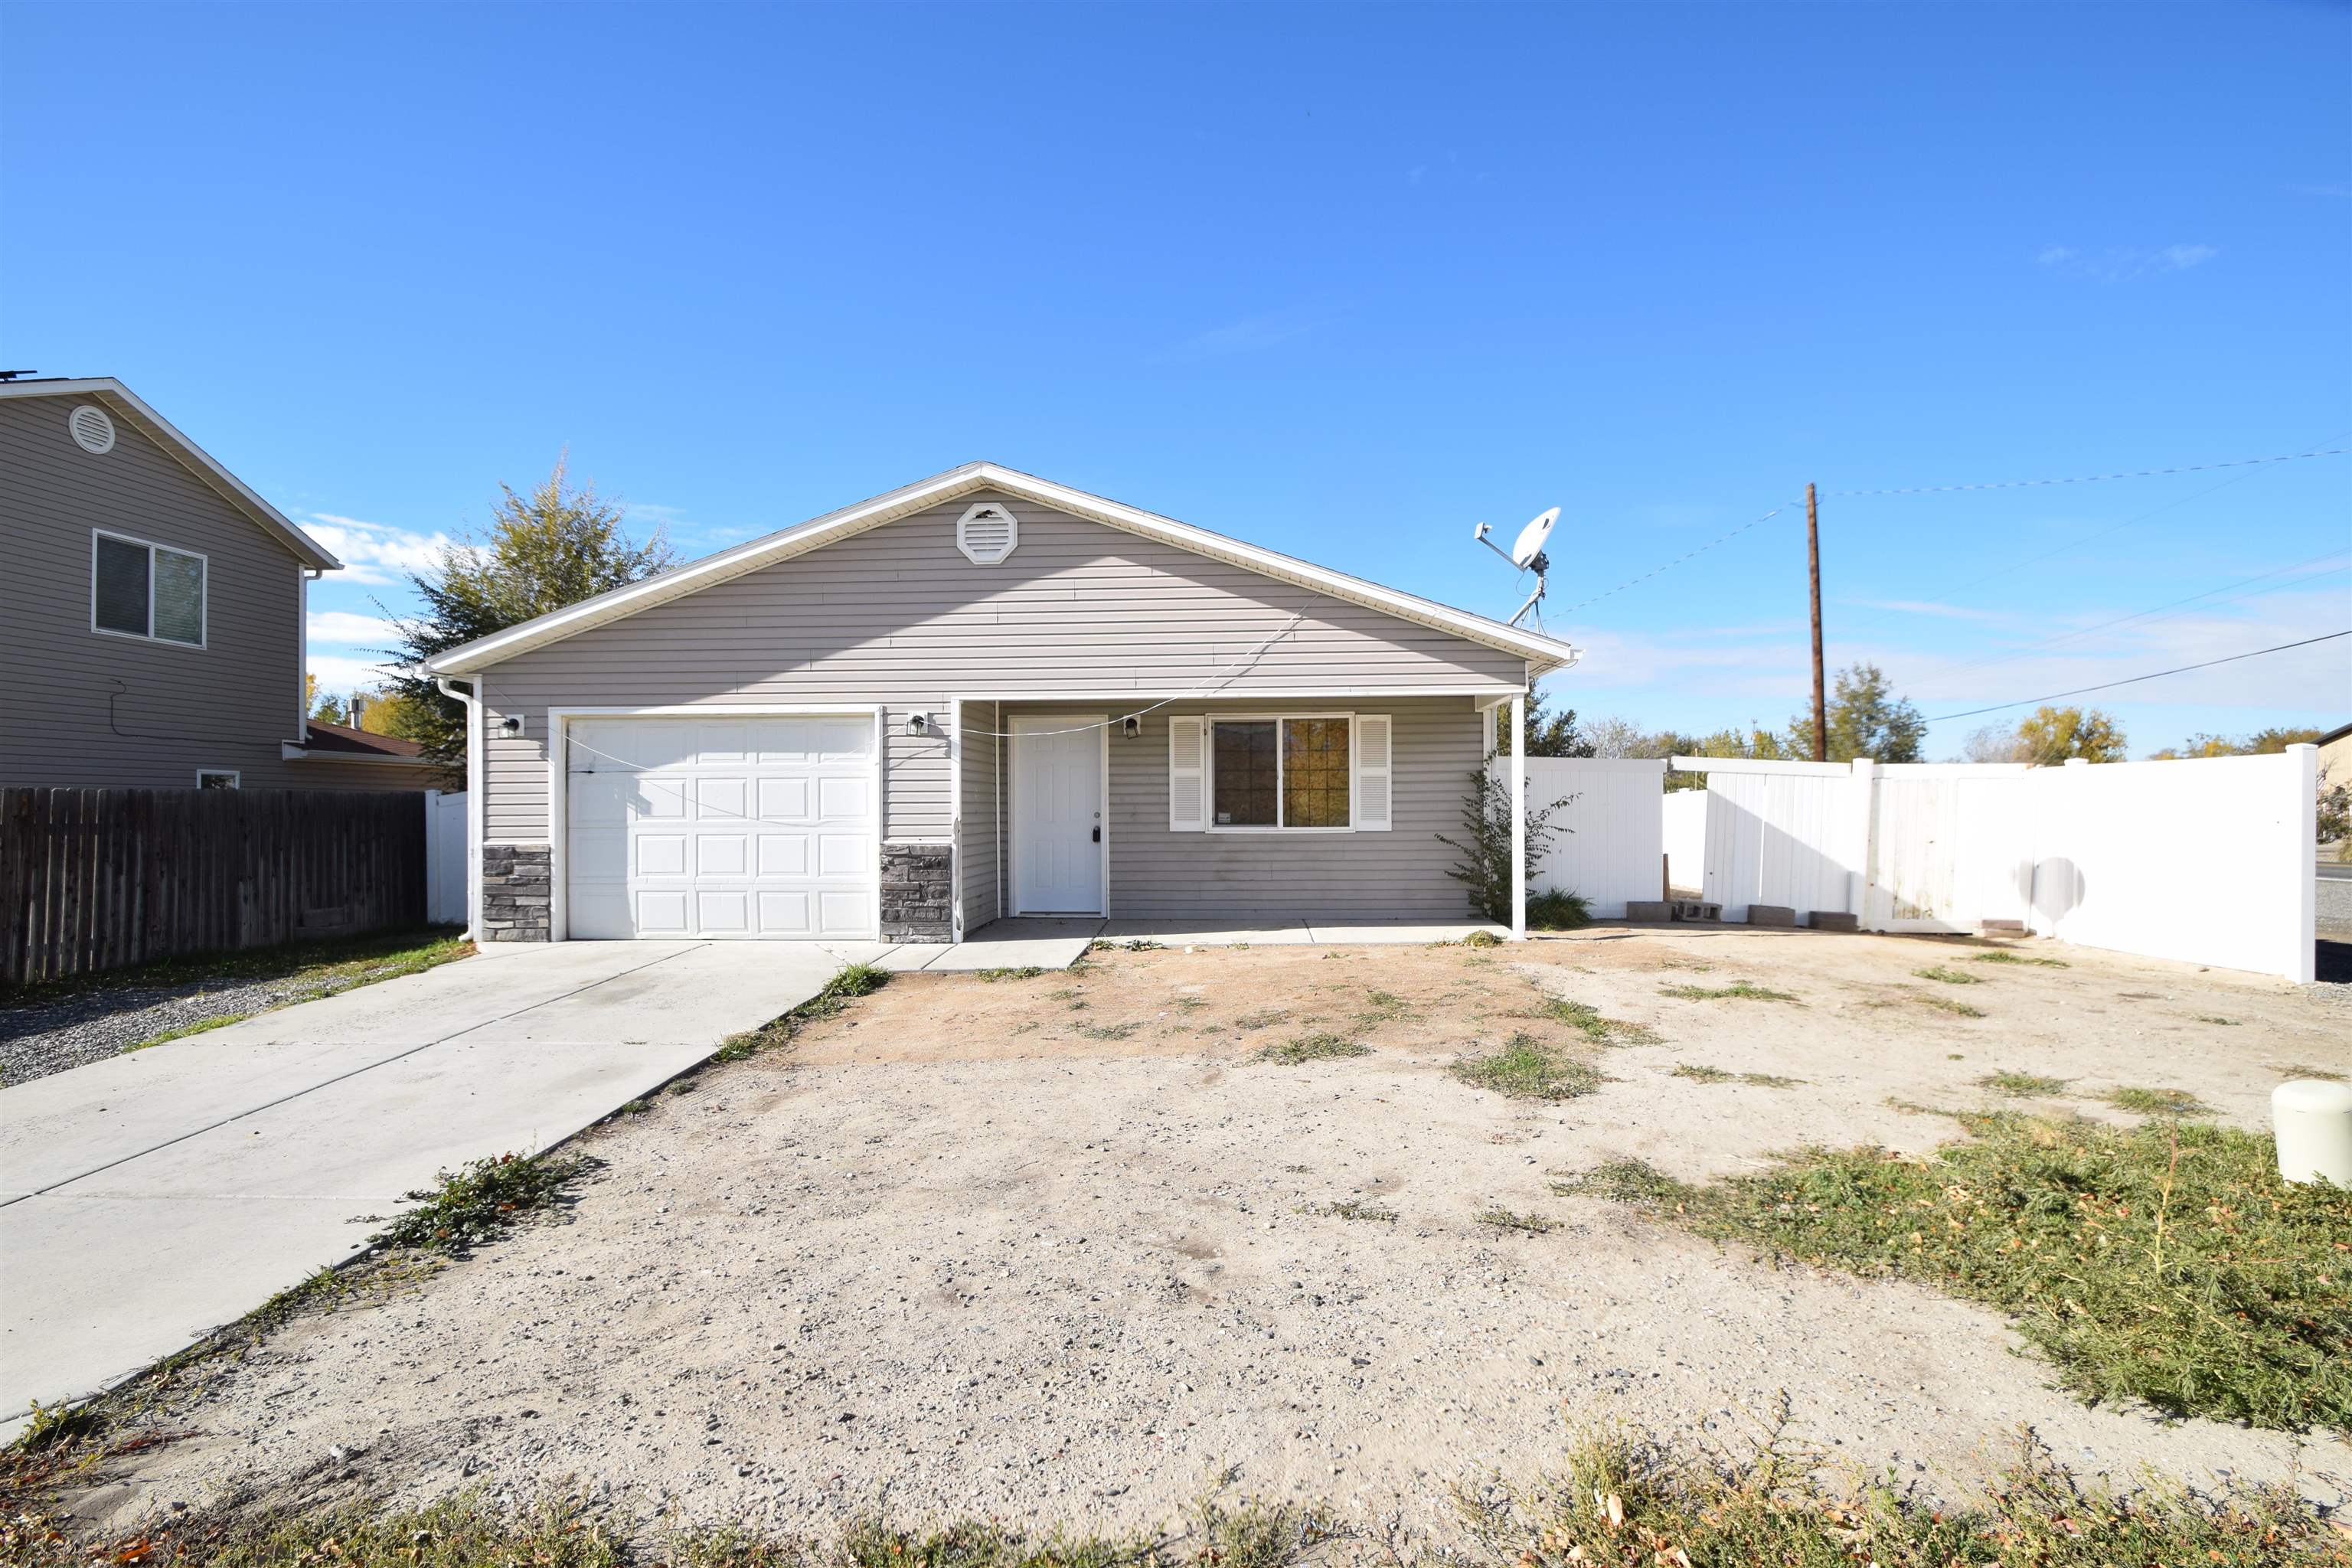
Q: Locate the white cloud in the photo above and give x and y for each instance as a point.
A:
(373, 553)
(339, 673)
(343, 627)
(2119, 263)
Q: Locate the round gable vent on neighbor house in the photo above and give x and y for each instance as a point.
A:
(92, 430)
(986, 533)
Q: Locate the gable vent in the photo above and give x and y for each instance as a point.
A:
(986, 533)
(92, 430)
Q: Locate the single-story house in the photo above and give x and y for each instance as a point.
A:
(345, 756)
(983, 694)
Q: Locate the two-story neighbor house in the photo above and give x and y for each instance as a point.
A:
(152, 611)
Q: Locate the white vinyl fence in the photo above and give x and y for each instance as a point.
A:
(2208, 860)
(1686, 834)
(1614, 849)
(446, 857)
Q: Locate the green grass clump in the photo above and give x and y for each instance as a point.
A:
(1350, 1208)
(2022, 1085)
(848, 982)
(1500, 1218)
(1626, 1500)
(1949, 975)
(1701, 1073)
(1313, 1048)
(2297, 1069)
(1266, 1019)
(481, 1202)
(1738, 990)
(2164, 1262)
(1524, 1067)
(320, 968)
(1586, 1020)
(200, 1026)
(1558, 911)
(2002, 955)
(2156, 1102)
(1951, 1005)
(1384, 1008)
(1105, 1031)
(1026, 972)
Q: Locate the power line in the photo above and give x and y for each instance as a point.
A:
(1935, 675)
(2136, 680)
(1680, 559)
(2093, 478)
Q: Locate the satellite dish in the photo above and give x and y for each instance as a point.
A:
(1527, 553)
(1529, 549)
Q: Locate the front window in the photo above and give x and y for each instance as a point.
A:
(1281, 772)
(142, 590)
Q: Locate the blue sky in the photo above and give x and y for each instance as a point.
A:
(1339, 281)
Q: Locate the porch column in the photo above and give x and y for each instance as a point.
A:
(1519, 817)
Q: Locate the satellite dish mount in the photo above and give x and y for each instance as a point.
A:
(1525, 554)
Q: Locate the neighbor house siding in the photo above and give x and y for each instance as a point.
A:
(898, 615)
(228, 704)
(1438, 742)
(983, 751)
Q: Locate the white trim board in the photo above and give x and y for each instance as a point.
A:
(1544, 654)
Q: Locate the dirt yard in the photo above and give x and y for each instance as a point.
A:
(1064, 1247)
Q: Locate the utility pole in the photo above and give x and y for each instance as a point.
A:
(1813, 568)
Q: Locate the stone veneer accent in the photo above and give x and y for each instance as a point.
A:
(917, 891)
(517, 888)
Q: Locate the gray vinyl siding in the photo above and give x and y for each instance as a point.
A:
(983, 752)
(228, 704)
(897, 617)
(1437, 744)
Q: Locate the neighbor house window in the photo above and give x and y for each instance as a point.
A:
(1281, 772)
(142, 590)
(217, 778)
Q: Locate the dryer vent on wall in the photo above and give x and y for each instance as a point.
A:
(986, 533)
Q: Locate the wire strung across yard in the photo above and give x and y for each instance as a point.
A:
(2091, 479)
(2136, 680)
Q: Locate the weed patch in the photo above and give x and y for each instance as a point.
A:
(1737, 990)
(1313, 1048)
(2022, 1085)
(1949, 975)
(1952, 1005)
(1266, 1019)
(1524, 1224)
(1526, 1069)
(2156, 1102)
(1104, 1031)
(1626, 1500)
(1384, 1008)
(1558, 912)
(2002, 955)
(2165, 1262)
(991, 976)
(1350, 1208)
(1701, 1073)
(1586, 1020)
(2297, 1070)
(482, 1202)
(848, 984)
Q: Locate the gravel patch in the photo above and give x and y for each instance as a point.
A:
(1060, 1249)
(51, 1036)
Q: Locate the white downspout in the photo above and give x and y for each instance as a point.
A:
(1519, 817)
(477, 808)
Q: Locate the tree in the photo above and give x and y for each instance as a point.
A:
(2053, 735)
(384, 713)
(2261, 743)
(1548, 735)
(1484, 846)
(1619, 737)
(330, 710)
(1991, 744)
(1866, 720)
(553, 547)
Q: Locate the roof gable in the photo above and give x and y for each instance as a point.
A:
(1543, 653)
(125, 404)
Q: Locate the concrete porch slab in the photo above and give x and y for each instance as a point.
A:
(1022, 942)
(1411, 933)
(1210, 933)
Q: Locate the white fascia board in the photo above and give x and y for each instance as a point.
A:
(1544, 654)
(154, 425)
(289, 752)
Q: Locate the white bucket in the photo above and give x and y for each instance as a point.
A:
(2314, 1121)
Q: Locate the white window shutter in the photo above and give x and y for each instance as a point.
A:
(1188, 779)
(1375, 808)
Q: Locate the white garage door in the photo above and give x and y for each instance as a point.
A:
(717, 827)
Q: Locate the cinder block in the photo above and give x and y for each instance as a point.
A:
(1833, 920)
(1656, 910)
(1697, 910)
(1771, 915)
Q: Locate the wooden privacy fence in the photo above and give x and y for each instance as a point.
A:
(96, 878)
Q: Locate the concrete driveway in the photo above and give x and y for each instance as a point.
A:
(147, 1199)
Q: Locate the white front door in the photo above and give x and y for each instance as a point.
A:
(1057, 814)
(743, 827)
